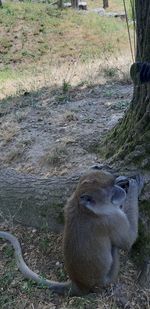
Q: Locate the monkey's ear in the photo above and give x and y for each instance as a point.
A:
(118, 195)
(87, 202)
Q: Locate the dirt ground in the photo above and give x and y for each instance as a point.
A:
(51, 132)
(42, 251)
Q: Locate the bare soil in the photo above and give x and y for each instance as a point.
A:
(51, 132)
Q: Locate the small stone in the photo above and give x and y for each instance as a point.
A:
(34, 231)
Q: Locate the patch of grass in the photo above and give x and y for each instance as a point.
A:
(9, 73)
(110, 72)
(93, 147)
(6, 300)
(6, 279)
(66, 86)
(62, 98)
(61, 273)
(83, 302)
(70, 116)
(14, 155)
(56, 157)
(5, 44)
(20, 116)
(8, 130)
(117, 6)
(37, 30)
(108, 93)
(43, 243)
(123, 104)
(8, 252)
(41, 45)
(29, 286)
(114, 5)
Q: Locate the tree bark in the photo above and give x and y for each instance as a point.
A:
(75, 4)
(32, 201)
(60, 4)
(105, 4)
(129, 142)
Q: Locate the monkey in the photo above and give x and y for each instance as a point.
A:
(96, 228)
(100, 221)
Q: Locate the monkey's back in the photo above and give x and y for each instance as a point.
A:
(87, 252)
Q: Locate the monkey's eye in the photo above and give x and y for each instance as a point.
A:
(86, 199)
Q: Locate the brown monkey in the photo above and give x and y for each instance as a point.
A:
(95, 229)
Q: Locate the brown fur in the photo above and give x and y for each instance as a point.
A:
(95, 229)
(91, 256)
(81, 235)
(94, 180)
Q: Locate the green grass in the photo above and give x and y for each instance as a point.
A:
(31, 32)
(9, 73)
(37, 37)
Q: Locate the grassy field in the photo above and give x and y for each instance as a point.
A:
(38, 42)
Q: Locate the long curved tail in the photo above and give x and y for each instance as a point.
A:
(56, 287)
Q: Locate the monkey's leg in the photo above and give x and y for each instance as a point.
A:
(113, 273)
(77, 291)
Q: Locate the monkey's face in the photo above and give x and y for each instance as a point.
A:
(97, 192)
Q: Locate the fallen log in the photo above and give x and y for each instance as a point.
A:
(33, 201)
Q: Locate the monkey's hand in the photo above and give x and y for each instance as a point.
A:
(123, 182)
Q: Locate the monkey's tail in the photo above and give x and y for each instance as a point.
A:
(56, 287)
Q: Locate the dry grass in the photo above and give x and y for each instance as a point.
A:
(70, 116)
(13, 155)
(55, 156)
(114, 5)
(117, 5)
(7, 131)
(91, 72)
(42, 46)
(42, 251)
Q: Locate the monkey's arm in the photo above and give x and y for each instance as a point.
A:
(119, 230)
(131, 208)
(56, 287)
(125, 230)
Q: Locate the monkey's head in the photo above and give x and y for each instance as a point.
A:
(97, 191)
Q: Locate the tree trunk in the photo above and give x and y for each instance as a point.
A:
(105, 4)
(75, 4)
(32, 201)
(1, 3)
(129, 142)
(131, 138)
(60, 4)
